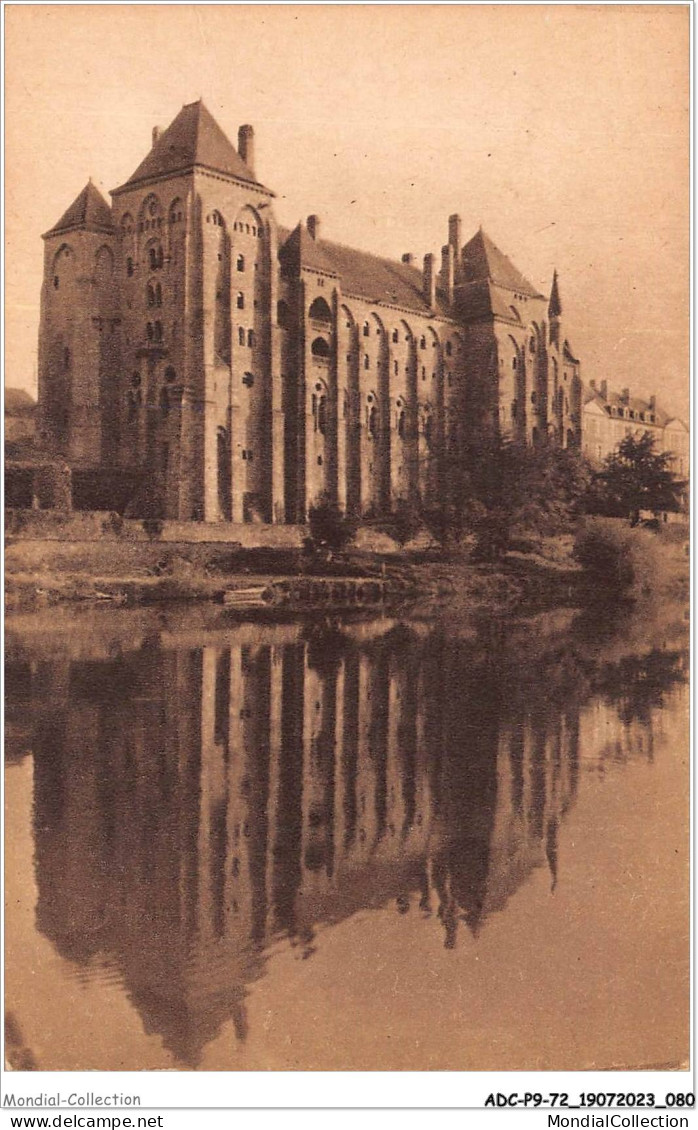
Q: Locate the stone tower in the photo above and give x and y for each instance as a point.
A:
(200, 396)
(78, 343)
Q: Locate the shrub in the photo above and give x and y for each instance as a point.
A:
(621, 561)
(330, 527)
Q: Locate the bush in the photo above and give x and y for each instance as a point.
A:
(621, 561)
(330, 528)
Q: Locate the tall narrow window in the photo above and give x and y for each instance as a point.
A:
(241, 335)
(129, 267)
(250, 338)
(367, 329)
(240, 263)
(240, 301)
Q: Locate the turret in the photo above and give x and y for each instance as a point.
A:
(555, 312)
(76, 369)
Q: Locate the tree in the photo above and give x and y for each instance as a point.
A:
(636, 477)
(499, 485)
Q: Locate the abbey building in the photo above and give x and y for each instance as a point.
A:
(231, 370)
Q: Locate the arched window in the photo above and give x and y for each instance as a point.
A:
(158, 294)
(367, 361)
(156, 257)
(449, 349)
(366, 329)
(129, 266)
(240, 264)
(240, 300)
(319, 405)
(149, 331)
(320, 348)
(372, 423)
(151, 294)
(395, 367)
(396, 335)
(250, 338)
(133, 403)
(241, 336)
(320, 311)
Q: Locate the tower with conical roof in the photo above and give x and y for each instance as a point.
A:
(78, 357)
(200, 397)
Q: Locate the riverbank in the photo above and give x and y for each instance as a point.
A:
(535, 574)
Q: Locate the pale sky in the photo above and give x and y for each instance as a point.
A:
(562, 129)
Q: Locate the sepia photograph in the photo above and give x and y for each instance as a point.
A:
(346, 508)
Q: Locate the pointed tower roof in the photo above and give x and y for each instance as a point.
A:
(555, 305)
(194, 138)
(88, 211)
(483, 261)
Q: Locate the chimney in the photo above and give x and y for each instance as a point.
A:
(448, 270)
(604, 389)
(625, 395)
(408, 258)
(429, 281)
(156, 135)
(313, 225)
(455, 237)
(653, 403)
(246, 146)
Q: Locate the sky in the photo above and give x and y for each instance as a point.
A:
(561, 129)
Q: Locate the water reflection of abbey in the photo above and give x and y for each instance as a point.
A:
(194, 803)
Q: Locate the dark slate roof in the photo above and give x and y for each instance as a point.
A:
(193, 138)
(18, 402)
(483, 261)
(555, 305)
(89, 210)
(636, 403)
(363, 274)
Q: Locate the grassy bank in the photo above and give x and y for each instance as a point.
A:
(536, 573)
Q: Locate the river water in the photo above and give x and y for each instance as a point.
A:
(367, 845)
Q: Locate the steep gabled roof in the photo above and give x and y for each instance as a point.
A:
(555, 304)
(483, 261)
(367, 276)
(194, 138)
(89, 210)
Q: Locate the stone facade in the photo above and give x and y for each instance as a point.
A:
(248, 372)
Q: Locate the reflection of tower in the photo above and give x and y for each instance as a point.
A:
(264, 783)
